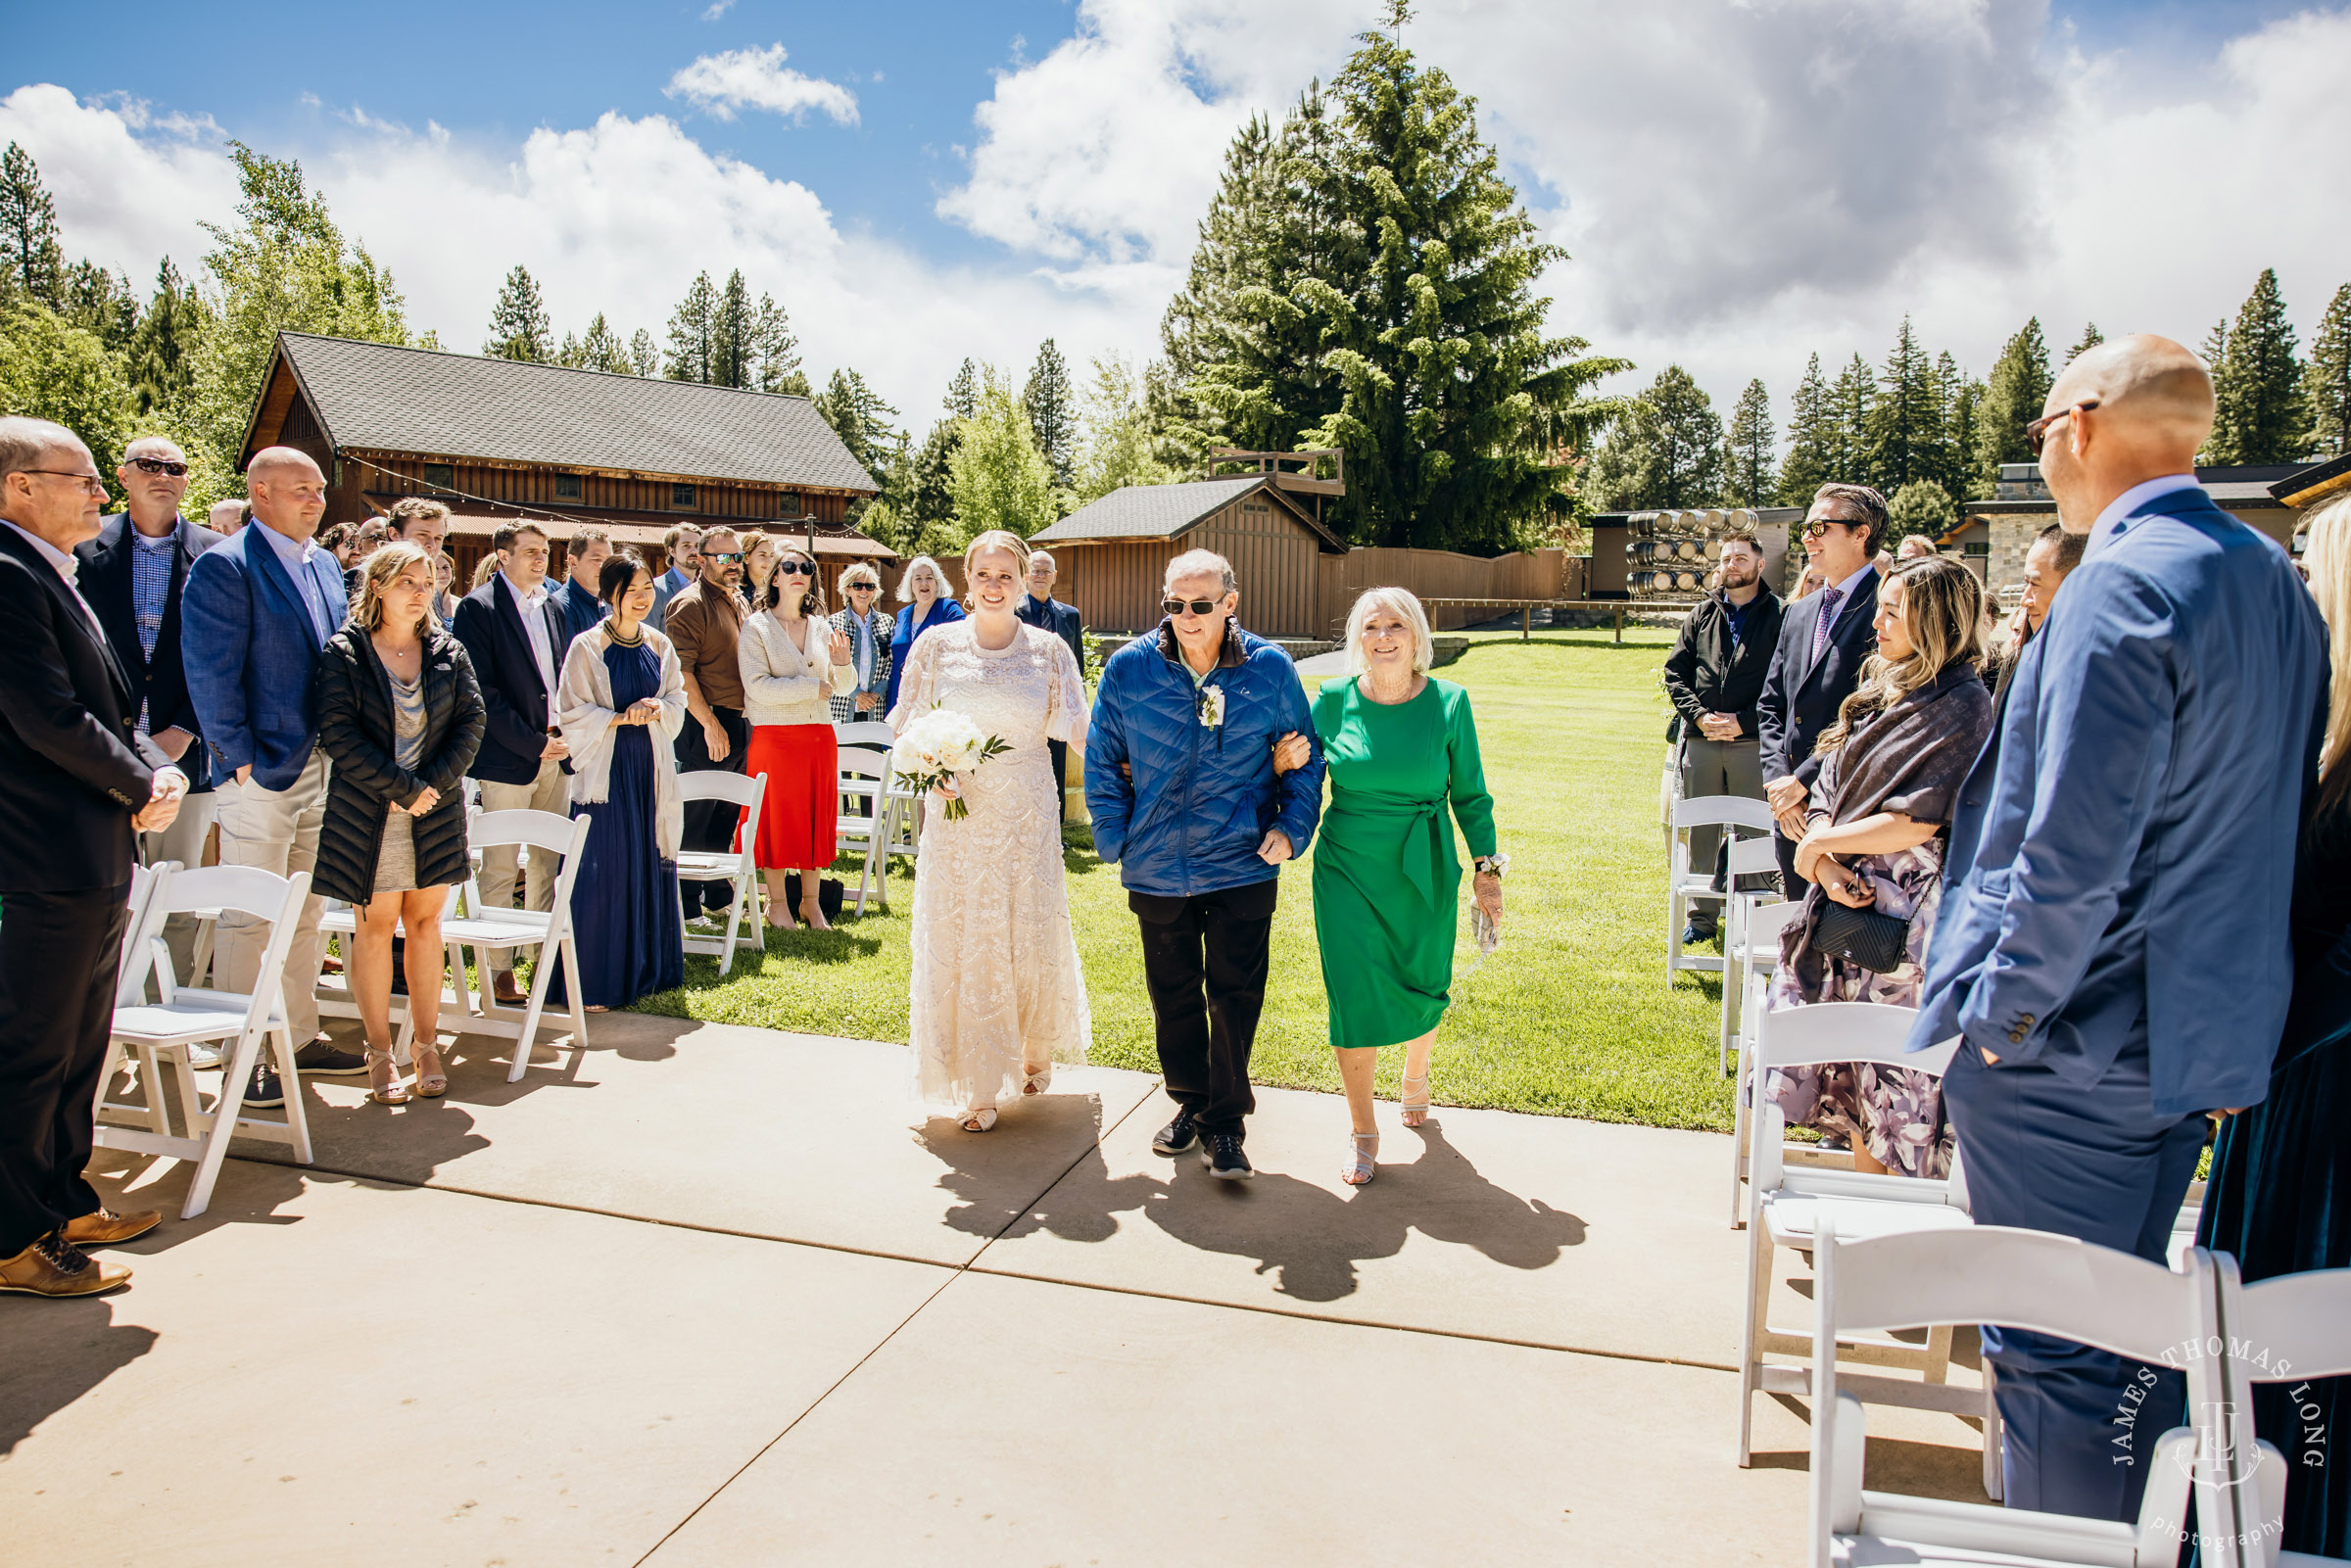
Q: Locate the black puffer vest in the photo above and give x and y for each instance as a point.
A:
(356, 731)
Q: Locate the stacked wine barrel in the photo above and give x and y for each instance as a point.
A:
(1670, 555)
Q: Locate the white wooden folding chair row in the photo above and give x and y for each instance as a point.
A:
(337, 999)
(2283, 1330)
(1787, 1204)
(1749, 857)
(905, 833)
(1735, 815)
(161, 1032)
(745, 928)
(1757, 948)
(488, 932)
(2053, 1285)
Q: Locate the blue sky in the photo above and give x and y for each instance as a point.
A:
(1739, 186)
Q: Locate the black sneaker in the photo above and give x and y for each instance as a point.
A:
(1221, 1152)
(322, 1058)
(1697, 931)
(265, 1090)
(1177, 1135)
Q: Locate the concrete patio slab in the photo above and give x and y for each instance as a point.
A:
(793, 1136)
(1020, 1422)
(335, 1371)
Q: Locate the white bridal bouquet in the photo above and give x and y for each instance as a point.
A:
(940, 745)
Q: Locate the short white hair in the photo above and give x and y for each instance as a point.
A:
(906, 583)
(1199, 563)
(1401, 602)
(1046, 556)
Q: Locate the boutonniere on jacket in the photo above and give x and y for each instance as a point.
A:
(1211, 702)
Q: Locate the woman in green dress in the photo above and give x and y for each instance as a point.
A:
(1387, 880)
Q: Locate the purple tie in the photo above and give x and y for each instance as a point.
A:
(1828, 618)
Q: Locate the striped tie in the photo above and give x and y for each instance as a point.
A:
(1828, 618)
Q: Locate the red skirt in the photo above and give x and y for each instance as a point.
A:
(803, 791)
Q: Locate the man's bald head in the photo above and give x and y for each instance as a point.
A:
(289, 493)
(274, 462)
(2126, 412)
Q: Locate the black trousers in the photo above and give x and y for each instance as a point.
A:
(1204, 964)
(710, 824)
(57, 957)
(1059, 751)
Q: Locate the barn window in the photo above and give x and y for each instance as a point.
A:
(440, 476)
(682, 496)
(788, 503)
(1983, 549)
(568, 487)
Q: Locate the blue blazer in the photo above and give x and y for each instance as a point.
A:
(942, 611)
(250, 650)
(580, 611)
(1800, 695)
(2122, 857)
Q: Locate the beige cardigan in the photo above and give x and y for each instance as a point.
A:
(584, 711)
(782, 684)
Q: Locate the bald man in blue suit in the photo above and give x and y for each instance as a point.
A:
(2112, 944)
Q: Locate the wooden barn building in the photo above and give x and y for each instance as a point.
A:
(498, 439)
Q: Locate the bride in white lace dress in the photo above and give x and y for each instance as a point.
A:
(996, 991)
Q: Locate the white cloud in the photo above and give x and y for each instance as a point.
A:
(757, 79)
(129, 185)
(717, 9)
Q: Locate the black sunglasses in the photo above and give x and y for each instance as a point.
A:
(2038, 430)
(1198, 606)
(1819, 527)
(798, 568)
(723, 557)
(865, 587)
(158, 466)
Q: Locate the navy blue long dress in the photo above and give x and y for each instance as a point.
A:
(624, 906)
(2279, 1196)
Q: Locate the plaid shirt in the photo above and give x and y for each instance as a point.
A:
(150, 591)
(882, 625)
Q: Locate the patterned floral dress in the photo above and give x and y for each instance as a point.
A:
(996, 987)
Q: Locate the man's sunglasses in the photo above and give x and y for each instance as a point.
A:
(723, 557)
(798, 568)
(1198, 606)
(2038, 431)
(158, 466)
(1820, 526)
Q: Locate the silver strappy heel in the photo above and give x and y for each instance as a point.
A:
(1414, 1114)
(1359, 1168)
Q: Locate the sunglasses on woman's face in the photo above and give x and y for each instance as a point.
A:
(1198, 606)
(797, 569)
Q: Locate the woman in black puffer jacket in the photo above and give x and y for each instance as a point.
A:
(400, 717)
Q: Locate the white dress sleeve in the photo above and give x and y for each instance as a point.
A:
(1065, 698)
(914, 686)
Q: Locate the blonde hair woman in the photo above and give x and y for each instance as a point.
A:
(400, 717)
(996, 993)
(1402, 750)
(923, 592)
(793, 661)
(1878, 823)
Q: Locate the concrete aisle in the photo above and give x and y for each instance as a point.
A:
(703, 1295)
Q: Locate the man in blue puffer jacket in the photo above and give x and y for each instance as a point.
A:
(1181, 782)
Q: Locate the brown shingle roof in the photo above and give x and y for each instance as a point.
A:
(1162, 511)
(375, 397)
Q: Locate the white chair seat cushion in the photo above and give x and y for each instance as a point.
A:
(178, 1023)
(708, 865)
(504, 929)
(1880, 1552)
(1794, 1218)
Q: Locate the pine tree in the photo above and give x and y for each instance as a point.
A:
(645, 359)
(1117, 435)
(775, 353)
(691, 330)
(2327, 381)
(996, 475)
(1953, 444)
(1903, 427)
(1805, 468)
(159, 350)
(1852, 397)
(963, 393)
(734, 334)
(1920, 506)
(1750, 447)
(1045, 399)
(600, 349)
(2261, 416)
(2013, 395)
(1680, 440)
(30, 252)
(2091, 337)
(518, 326)
(99, 303)
(860, 418)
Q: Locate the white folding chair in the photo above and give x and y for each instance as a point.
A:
(1750, 857)
(2291, 1328)
(1759, 950)
(866, 774)
(503, 930)
(2018, 1279)
(737, 864)
(1735, 815)
(184, 1015)
(1786, 1207)
(337, 999)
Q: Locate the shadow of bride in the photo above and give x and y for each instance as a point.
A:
(1040, 1169)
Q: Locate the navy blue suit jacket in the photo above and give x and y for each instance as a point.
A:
(580, 610)
(250, 650)
(1800, 694)
(2123, 852)
(489, 623)
(160, 683)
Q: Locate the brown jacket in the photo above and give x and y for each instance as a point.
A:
(706, 626)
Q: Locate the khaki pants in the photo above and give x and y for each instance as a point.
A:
(276, 829)
(182, 841)
(550, 792)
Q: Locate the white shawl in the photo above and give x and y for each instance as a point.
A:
(584, 711)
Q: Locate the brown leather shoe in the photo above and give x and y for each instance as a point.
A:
(104, 1227)
(52, 1266)
(508, 994)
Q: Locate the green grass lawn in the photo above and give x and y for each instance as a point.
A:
(1572, 1016)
